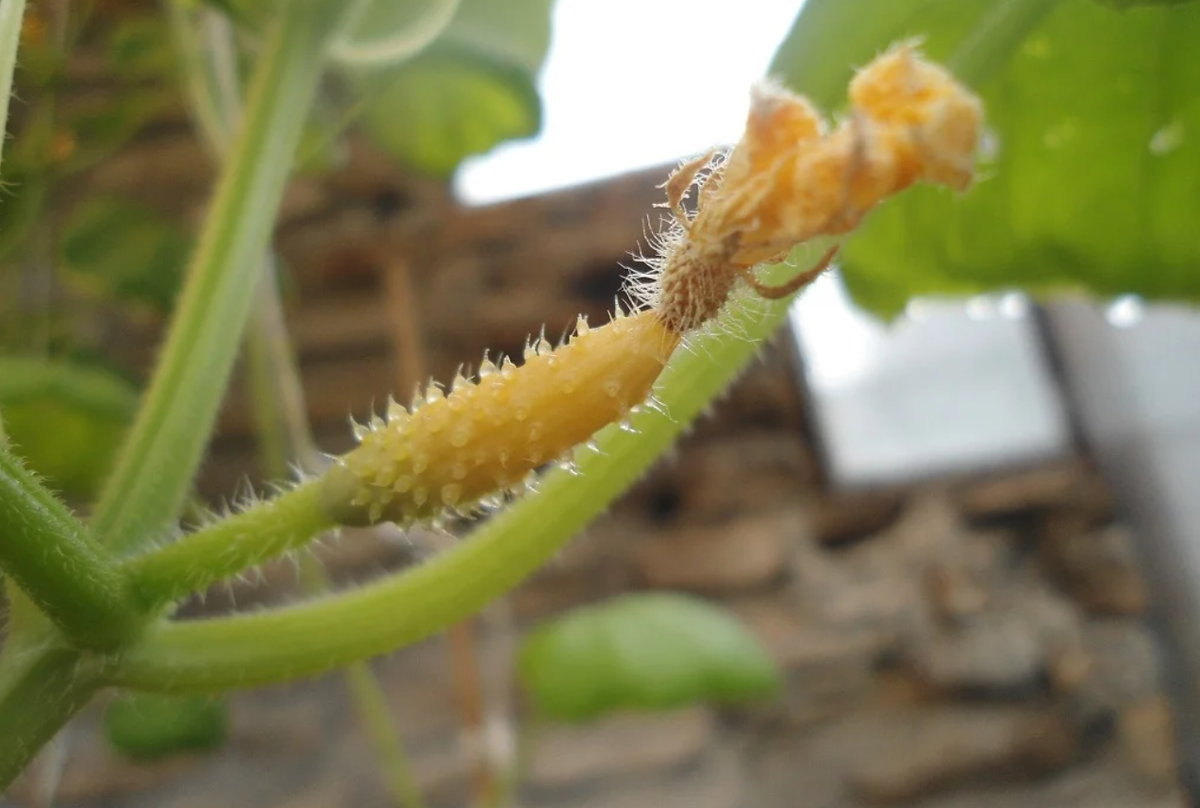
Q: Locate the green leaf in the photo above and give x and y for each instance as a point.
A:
(652, 651)
(516, 32)
(474, 88)
(148, 726)
(387, 32)
(126, 250)
(1122, 4)
(67, 419)
(1095, 129)
(447, 105)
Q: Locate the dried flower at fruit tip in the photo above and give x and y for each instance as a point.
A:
(791, 178)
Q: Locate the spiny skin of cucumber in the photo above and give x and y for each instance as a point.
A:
(486, 436)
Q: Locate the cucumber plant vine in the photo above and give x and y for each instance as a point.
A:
(91, 603)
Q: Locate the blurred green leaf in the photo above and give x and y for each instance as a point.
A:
(387, 32)
(127, 251)
(651, 651)
(40, 62)
(147, 726)
(95, 133)
(516, 32)
(447, 105)
(1094, 128)
(1123, 4)
(474, 88)
(21, 199)
(140, 47)
(66, 419)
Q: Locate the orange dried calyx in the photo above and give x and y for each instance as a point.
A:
(488, 435)
(790, 179)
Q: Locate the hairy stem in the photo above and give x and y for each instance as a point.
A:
(263, 531)
(464, 659)
(154, 471)
(38, 694)
(11, 14)
(47, 552)
(310, 638)
(280, 414)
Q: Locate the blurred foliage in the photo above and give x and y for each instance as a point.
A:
(139, 47)
(1094, 156)
(127, 251)
(463, 105)
(22, 195)
(646, 651)
(474, 87)
(148, 726)
(1124, 4)
(389, 31)
(67, 418)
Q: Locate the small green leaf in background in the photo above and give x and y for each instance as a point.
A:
(473, 88)
(66, 420)
(148, 726)
(1095, 140)
(446, 105)
(646, 651)
(127, 251)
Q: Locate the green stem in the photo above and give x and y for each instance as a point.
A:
(270, 430)
(38, 694)
(11, 13)
(263, 531)
(47, 552)
(311, 638)
(154, 471)
(992, 42)
(372, 706)
(209, 73)
(375, 714)
(277, 395)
